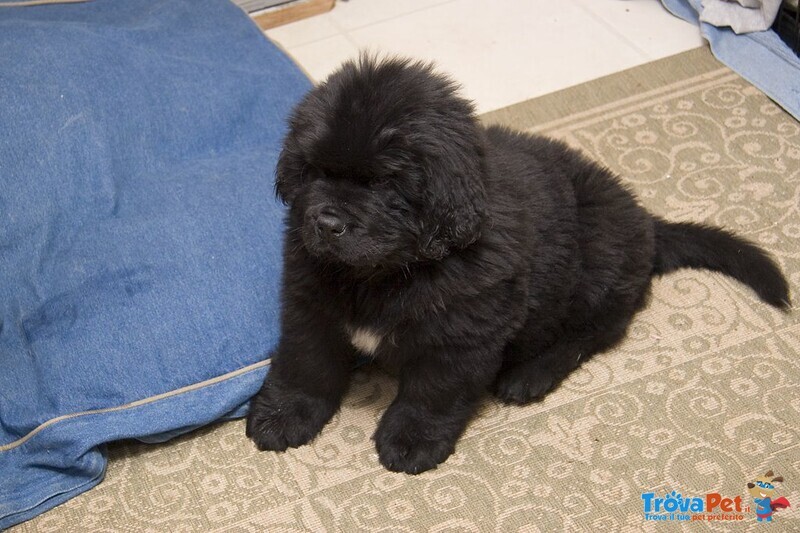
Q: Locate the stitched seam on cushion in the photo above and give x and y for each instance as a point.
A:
(137, 403)
(27, 3)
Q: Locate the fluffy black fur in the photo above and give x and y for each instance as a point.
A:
(480, 258)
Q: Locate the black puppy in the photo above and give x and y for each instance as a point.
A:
(471, 258)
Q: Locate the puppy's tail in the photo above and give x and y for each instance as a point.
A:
(685, 244)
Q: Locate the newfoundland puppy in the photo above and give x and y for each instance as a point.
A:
(470, 258)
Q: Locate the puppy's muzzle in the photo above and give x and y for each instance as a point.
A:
(329, 224)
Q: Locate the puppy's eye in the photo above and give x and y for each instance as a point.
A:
(379, 182)
(311, 173)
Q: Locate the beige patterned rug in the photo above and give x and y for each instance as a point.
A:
(702, 397)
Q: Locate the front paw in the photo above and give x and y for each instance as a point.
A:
(408, 444)
(280, 419)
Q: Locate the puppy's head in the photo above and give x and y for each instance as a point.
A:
(384, 165)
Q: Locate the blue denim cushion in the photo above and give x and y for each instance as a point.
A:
(139, 233)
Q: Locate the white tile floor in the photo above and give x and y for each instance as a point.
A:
(502, 51)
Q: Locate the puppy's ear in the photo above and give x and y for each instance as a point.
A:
(454, 201)
(288, 174)
(304, 130)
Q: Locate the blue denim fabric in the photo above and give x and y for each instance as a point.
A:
(139, 233)
(761, 58)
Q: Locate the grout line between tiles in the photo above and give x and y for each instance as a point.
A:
(614, 31)
(344, 32)
(399, 16)
(352, 41)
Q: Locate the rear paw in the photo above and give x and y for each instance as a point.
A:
(521, 384)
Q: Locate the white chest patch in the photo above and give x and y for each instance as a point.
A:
(365, 340)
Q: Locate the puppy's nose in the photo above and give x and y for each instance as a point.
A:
(329, 224)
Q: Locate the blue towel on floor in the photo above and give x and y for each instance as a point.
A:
(139, 233)
(761, 58)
